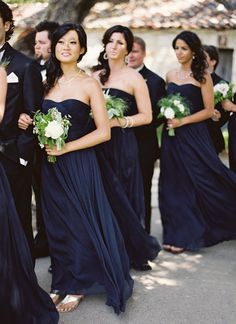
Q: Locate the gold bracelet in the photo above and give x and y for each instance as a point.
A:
(126, 122)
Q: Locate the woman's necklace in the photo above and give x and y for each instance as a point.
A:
(183, 76)
(62, 82)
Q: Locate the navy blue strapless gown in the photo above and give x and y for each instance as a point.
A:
(232, 141)
(86, 247)
(21, 298)
(119, 163)
(196, 190)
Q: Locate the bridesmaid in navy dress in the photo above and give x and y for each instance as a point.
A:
(118, 158)
(86, 248)
(196, 190)
(21, 298)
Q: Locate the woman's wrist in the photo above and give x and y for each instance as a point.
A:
(183, 121)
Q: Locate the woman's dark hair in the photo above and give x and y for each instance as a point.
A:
(54, 70)
(102, 62)
(6, 15)
(199, 63)
(213, 53)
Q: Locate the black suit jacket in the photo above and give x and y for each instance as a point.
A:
(24, 94)
(146, 135)
(215, 127)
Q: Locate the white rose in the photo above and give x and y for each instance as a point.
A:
(176, 102)
(169, 113)
(222, 87)
(162, 109)
(54, 130)
(181, 108)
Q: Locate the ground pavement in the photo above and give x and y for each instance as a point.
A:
(189, 288)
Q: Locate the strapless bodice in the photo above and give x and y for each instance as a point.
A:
(81, 122)
(191, 92)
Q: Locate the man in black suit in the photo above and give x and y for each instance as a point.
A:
(146, 135)
(24, 94)
(42, 48)
(220, 115)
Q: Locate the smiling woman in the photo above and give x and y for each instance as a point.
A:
(84, 239)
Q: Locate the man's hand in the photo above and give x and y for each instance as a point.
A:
(24, 121)
(228, 105)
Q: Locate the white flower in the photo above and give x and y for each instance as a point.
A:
(176, 102)
(162, 110)
(233, 88)
(54, 130)
(222, 87)
(169, 113)
(181, 108)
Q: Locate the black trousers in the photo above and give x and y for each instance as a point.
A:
(147, 169)
(20, 180)
(232, 142)
(40, 241)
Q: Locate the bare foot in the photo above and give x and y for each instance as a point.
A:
(69, 303)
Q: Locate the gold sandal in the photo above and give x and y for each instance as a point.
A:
(69, 303)
(55, 298)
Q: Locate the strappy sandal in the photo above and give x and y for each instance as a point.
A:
(55, 298)
(69, 303)
(176, 250)
(166, 247)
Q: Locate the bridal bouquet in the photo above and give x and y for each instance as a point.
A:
(51, 129)
(115, 107)
(173, 106)
(223, 91)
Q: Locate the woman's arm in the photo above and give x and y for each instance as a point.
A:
(141, 94)
(102, 132)
(206, 113)
(3, 91)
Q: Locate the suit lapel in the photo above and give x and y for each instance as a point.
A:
(8, 55)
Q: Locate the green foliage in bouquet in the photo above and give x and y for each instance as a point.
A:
(173, 106)
(51, 129)
(116, 107)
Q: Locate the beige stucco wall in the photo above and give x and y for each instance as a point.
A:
(160, 55)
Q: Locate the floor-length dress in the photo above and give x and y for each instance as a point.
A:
(86, 247)
(196, 190)
(21, 298)
(120, 168)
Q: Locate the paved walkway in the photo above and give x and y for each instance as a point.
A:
(190, 288)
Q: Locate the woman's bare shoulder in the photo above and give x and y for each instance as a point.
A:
(170, 75)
